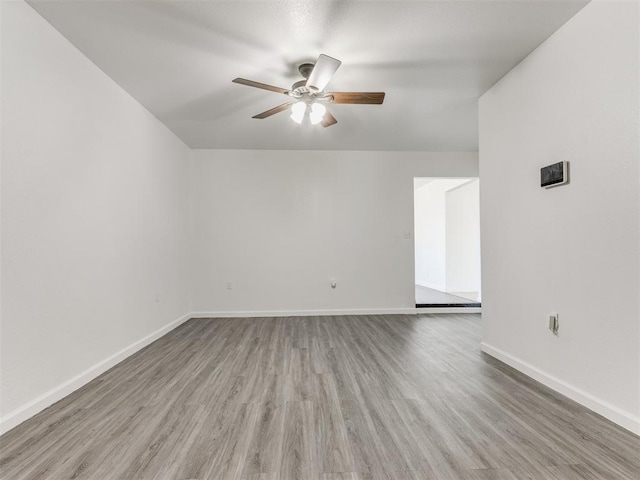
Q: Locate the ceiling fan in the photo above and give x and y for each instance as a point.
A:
(308, 97)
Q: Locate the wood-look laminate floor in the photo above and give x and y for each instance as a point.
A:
(331, 398)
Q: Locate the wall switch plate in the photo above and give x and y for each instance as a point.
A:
(554, 324)
(229, 286)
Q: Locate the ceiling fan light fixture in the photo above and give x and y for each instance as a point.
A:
(317, 113)
(307, 97)
(297, 111)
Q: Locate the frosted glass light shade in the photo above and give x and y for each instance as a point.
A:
(297, 111)
(317, 113)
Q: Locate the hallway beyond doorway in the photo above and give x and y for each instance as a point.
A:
(447, 242)
(428, 297)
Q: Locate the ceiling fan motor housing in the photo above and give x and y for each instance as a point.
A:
(300, 91)
(305, 69)
(299, 86)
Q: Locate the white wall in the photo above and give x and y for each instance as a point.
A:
(572, 249)
(430, 231)
(280, 225)
(462, 206)
(94, 218)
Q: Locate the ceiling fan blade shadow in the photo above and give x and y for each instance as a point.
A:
(322, 72)
(263, 86)
(328, 120)
(273, 111)
(363, 98)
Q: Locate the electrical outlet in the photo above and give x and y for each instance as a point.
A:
(229, 286)
(554, 323)
(157, 298)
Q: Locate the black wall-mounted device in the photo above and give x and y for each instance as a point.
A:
(554, 175)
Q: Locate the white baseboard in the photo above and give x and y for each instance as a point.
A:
(302, 313)
(611, 412)
(324, 313)
(35, 406)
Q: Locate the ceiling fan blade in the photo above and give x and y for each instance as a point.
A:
(263, 86)
(370, 98)
(322, 72)
(273, 111)
(328, 120)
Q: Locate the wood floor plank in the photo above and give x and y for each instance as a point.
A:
(493, 474)
(379, 397)
(333, 451)
(300, 380)
(299, 451)
(265, 446)
(230, 464)
(211, 436)
(165, 435)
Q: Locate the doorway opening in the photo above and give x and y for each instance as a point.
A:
(447, 242)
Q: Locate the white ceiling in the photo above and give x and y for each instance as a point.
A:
(432, 58)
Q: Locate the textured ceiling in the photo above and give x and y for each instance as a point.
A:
(432, 58)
